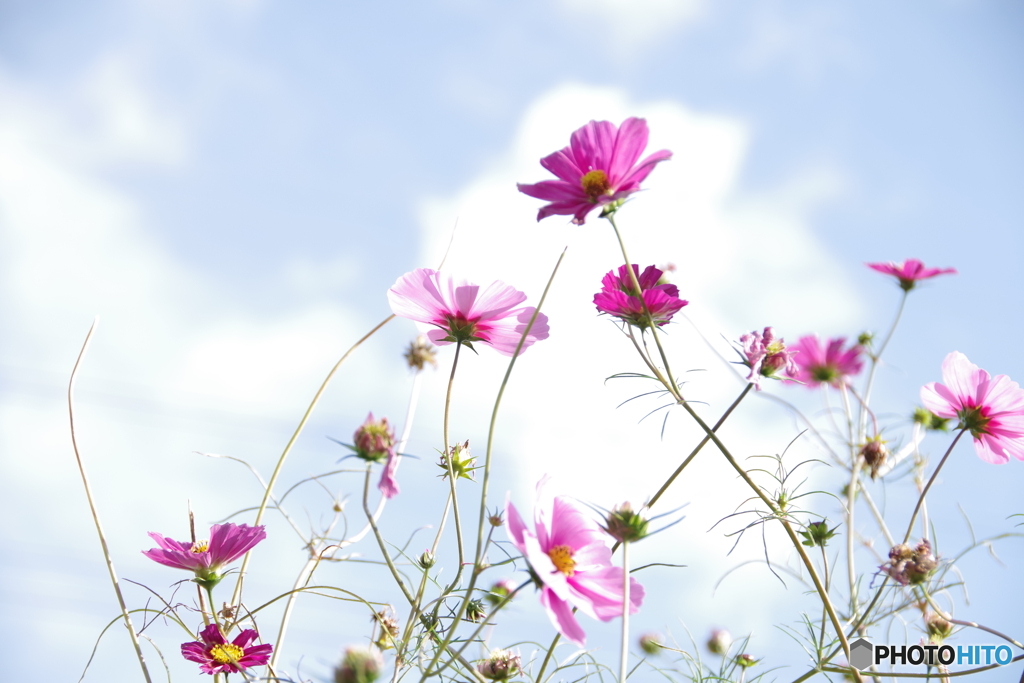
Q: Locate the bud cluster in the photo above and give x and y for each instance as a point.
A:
(910, 566)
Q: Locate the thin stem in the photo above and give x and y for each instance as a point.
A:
(451, 473)
(824, 565)
(92, 506)
(695, 451)
(547, 658)
(931, 480)
(972, 624)
(624, 657)
(236, 596)
(876, 513)
(877, 356)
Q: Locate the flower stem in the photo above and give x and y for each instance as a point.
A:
(624, 658)
(876, 357)
(931, 480)
(448, 459)
(695, 451)
(236, 596)
(92, 506)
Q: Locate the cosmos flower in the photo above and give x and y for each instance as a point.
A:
(909, 272)
(215, 655)
(766, 356)
(598, 168)
(991, 408)
(619, 297)
(570, 559)
(464, 313)
(227, 543)
(830, 364)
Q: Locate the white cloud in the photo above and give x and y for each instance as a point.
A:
(629, 24)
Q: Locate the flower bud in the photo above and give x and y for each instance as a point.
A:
(501, 665)
(374, 440)
(624, 525)
(475, 611)
(930, 420)
(651, 643)
(719, 642)
(496, 519)
(746, 661)
(426, 560)
(388, 629)
(359, 665)
(817, 534)
(420, 353)
(463, 463)
(938, 628)
(910, 566)
(865, 338)
(500, 590)
(874, 453)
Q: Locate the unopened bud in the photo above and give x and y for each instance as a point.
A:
(500, 590)
(875, 453)
(719, 642)
(501, 665)
(746, 661)
(938, 628)
(462, 463)
(475, 611)
(817, 534)
(420, 353)
(650, 643)
(624, 525)
(426, 560)
(359, 665)
(374, 440)
(865, 338)
(930, 420)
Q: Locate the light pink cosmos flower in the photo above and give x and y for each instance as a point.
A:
(618, 297)
(909, 272)
(569, 556)
(598, 167)
(464, 313)
(215, 655)
(766, 356)
(227, 543)
(991, 408)
(831, 364)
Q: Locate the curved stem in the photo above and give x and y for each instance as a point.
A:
(236, 596)
(624, 656)
(877, 356)
(92, 506)
(931, 480)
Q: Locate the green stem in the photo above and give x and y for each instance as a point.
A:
(95, 513)
(547, 658)
(237, 595)
(876, 357)
(931, 480)
(695, 451)
(448, 452)
(624, 656)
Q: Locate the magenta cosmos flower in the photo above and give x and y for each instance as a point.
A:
(598, 167)
(766, 356)
(909, 272)
(619, 297)
(227, 543)
(829, 364)
(464, 313)
(215, 655)
(991, 408)
(570, 559)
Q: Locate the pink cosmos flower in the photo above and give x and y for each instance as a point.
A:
(992, 408)
(570, 559)
(766, 356)
(227, 543)
(618, 297)
(832, 364)
(599, 167)
(909, 272)
(215, 655)
(464, 312)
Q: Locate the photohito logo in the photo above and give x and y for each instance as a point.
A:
(863, 654)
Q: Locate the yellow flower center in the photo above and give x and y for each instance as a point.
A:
(595, 184)
(561, 556)
(200, 546)
(228, 653)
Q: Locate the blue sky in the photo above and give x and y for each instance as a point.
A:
(233, 186)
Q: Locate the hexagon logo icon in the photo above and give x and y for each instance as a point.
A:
(861, 654)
